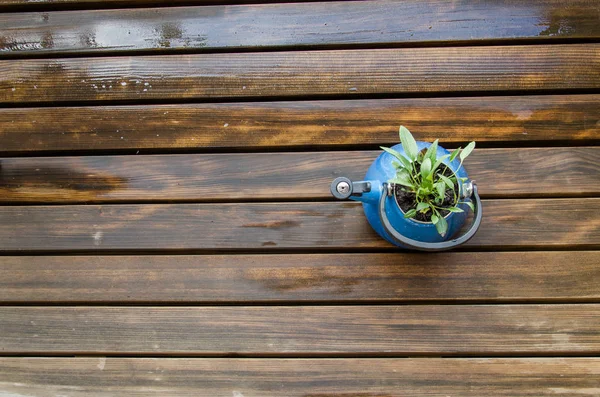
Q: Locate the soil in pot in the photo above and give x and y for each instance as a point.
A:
(406, 200)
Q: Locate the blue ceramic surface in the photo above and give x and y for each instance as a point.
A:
(381, 171)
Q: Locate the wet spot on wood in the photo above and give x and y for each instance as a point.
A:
(57, 183)
(47, 41)
(88, 39)
(168, 32)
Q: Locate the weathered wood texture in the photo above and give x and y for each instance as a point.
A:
(293, 277)
(251, 177)
(571, 119)
(51, 5)
(557, 223)
(483, 276)
(420, 329)
(81, 377)
(406, 71)
(294, 24)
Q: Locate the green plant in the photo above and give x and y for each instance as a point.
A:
(431, 186)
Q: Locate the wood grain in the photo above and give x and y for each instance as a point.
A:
(554, 172)
(402, 330)
(294, 277)
(300, 74)
(293, 25)
(570, 119)
(79, 377)
(52, 5)
(507, 224)
(401, 277)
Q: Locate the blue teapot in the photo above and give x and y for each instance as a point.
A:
(387, 218)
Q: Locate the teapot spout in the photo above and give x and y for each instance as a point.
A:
(343, 188)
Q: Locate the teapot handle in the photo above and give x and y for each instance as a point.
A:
(425, 246)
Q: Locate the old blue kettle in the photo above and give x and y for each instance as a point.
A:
(386, 217)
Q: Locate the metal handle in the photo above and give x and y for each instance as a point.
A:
(424, 246)
(342, 188)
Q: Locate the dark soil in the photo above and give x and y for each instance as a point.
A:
(406, 200)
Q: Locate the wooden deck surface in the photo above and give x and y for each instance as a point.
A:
(166, 226)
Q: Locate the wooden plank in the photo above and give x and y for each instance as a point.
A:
(301, 74)
(507, 224)
(251, 330)
(570, 119)
(293, 24)
(549, 172)
(51, 5)
(484, 276)
(389, 377)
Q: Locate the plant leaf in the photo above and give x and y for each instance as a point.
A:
(402, 178)
(408, 143)
(466, 151)
(454, 154)
(442, 226)
(470, 204)
(410, 213)
(427, 185)
(426, 167)
(393, 152)
(441, 189)
(454, 209)
(447, 181)
(434, 219)
(439, 161)
(422, 206)
(431, 153)
(407, 164)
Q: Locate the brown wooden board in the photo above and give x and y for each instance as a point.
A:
(305, 330)
(541, 172)
(507, 224)
(382, 377)
(401, 277)
(165, 208)
(571, 119)
(407, 71)
(294, 24)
